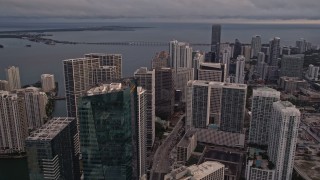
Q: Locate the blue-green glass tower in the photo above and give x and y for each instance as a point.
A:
(108, 132)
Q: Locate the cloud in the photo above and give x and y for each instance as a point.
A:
(172, 9)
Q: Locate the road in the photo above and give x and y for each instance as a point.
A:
(161, 161)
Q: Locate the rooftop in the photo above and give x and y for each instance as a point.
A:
(185, 141)
(105, 88)
(49, 130)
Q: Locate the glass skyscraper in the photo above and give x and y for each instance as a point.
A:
(109, 132)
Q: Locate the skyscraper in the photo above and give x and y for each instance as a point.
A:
(13, 123)
(312, 74)
(215, 40)
(255, 46)
(301, 45)
(146, 79)
(35, 106)
(47, 82)
(282, 140)
(180, 55)
(241, 62)
(165, 93)
(78, 77)
(112, 122)
(233, 105)
(292, 65)
(212, 72)
(274, 51)
(182, 76)
(53, 150)
(109, 60)
(262, 101)
(246, 51)
(237, 48)
(160, 60)
(13, 77)
(4, 85)
(217, 103)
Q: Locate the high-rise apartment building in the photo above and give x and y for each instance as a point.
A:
(237, 48)
(246, 51)
(301, 45)
(13, 123)
(165, 92)
(226, 57)
(292, 65)
(262, 66)
(13, 77)
(215, 40)
(212, 72)
(262, 101)
(112, 121)
(53, 150)
(104, 74)
(180, 55)
(4, 85)
(233, 105)
(35, 106)
(282, 139)
(198, 57)
(160, 60)
(47, 82)
(217, 103)
(240, 75)
(312, 74)
(78, 77)
(255, 46)
(182, 76)
(146, 79)
(274, 51)
(109, 60)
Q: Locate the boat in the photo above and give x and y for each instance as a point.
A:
(1, 46)
(28, 45)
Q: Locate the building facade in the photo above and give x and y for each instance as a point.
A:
(274, 51)
(78, 78)
(109, 60)
(255, 46)
(222, 104)
(47, 82)
(13, 77)
(212, 72)
(13, 123)
(282, 139)
(292, 66)
(4, 85)
(111, 139)
(240, 74)
(165, 92)
(216, 40)
(262, 101)
(146, 79)
(53, 150)
(35, 106)
(180, 55)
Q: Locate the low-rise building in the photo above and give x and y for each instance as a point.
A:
(258, 167)
(292, 84)
(207, 170)
(186, 146)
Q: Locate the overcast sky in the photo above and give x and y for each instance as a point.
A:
(163, 9)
